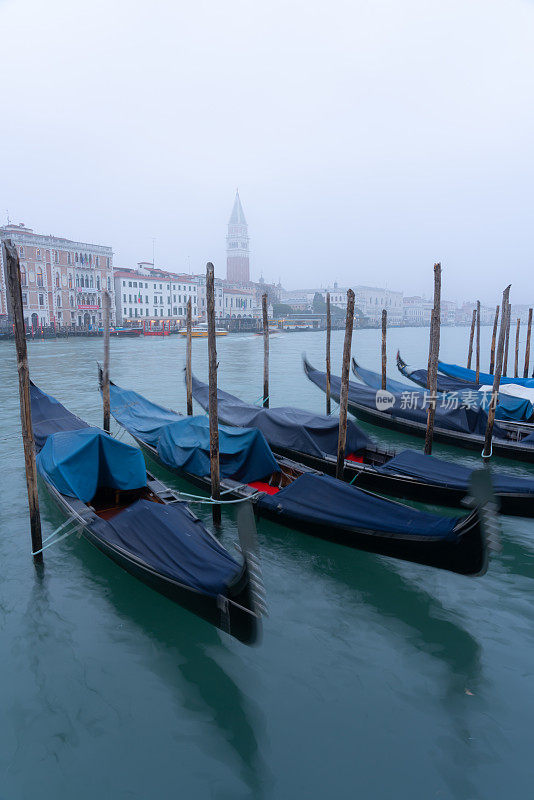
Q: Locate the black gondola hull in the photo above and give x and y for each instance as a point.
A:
(232, 615)
(467, 555)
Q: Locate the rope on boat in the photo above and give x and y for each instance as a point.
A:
(197, 498)
(47, 543)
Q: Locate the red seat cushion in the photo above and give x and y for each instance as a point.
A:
(261, 486)
(352, 457)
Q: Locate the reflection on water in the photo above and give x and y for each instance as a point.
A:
(108, 688)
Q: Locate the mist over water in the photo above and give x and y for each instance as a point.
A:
(374, 677)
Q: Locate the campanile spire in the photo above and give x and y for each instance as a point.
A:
(237, 245)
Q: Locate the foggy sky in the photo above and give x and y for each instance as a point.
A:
(368, 138)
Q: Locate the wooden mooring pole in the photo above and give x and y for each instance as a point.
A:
(384, 351)
(493, 340)
(471, 335)
(265, 351)
(516, 360)
(477, 361)
(434, 351)
(213, 414)
(506, 340)
(11, 261)
(328, 334)
(344, 393)
(105, 371)
(486, 453)
(527, 345)
(188, 373)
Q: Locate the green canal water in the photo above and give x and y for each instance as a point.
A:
(374, 679)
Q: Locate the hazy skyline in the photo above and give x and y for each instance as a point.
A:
(367, 139)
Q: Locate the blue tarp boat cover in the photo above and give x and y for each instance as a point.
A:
(444, 473)
(49, 416)
(142, 418)
(518, 409)
(322, 499)
(173, 542)
(454, 371)
(184, 442)
(244, 455)
(78, 462)
(462, 420)
(287, 427)
(374, 380)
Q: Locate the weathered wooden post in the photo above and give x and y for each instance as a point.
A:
(213, 413)
(265, 351)
(328, 333)
(188, 373)
(471, 335)
(384, 352)
(486, 453)
(506, 340)
(434, 349)
(493, 340)
(477, 374)
(11, 260)
(516, 360)
(105, 370)
(527, 345)
(344, 393)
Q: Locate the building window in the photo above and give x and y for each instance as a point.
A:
(21, 251)
(22, 276)
(41, 300)
(40, 276)
(68, 258)
(58, 301)
(90, 258)
(125, 312)
(24, 299)
(38, 256)
(56, 257)
(72, 300)
(76, 257)
(97, 261)
(109, 284)
(97, 282)
(107, 263)
(70, 281)
(130, 284)
(146, 285)
(91, 282)
(146, 299)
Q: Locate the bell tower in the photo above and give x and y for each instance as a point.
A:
(237, 248)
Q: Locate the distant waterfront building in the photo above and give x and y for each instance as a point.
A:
(237, 246)
(370, 300)
(62, 280)
(151, 294)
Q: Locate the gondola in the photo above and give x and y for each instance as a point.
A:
(511, 407)
(303, 498)
(469, 375)
(312, 439)
(460, 427)
(104, 489)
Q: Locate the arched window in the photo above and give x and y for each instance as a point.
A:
(76, 257)
(58, 301)
(97, 282)
(86, 281)
(72, 300)
(91, 281)
(40, 276)
(22, 275)
(77, 281)
(57, 280)
(70, 281)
